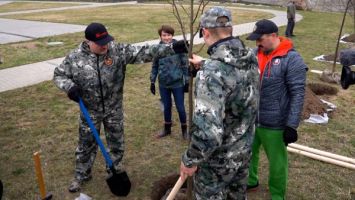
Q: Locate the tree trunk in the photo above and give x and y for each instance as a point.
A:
(338, 42)
(189, 179)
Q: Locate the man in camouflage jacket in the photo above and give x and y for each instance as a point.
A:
(226, 102)
(95, 72)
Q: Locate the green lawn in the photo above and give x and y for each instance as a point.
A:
(41, 118)
(20, 6)
(123, 23)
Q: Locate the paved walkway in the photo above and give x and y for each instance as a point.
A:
(11, 30)
(4, 2)
(26, 75)
(81, 5)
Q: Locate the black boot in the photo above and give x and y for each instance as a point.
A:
(185, 135)
(166, 130)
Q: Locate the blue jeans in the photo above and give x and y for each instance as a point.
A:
(178, 93)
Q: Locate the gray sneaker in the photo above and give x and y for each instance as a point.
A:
(77, 183)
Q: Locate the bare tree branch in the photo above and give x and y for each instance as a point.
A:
(178, 17)
(201, 10)
(203, 3)
(184, 9)
(198, 11)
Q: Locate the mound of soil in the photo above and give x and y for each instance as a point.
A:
(161, 188)
(330, 57)
(350, 38)
(312, 105)
(322, 89)
(329, 77)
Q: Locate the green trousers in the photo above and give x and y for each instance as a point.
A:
(276, 152)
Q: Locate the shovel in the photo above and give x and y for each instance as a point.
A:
(119, 183)
(176, 188)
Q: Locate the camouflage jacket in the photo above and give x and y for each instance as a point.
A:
(172, 71)
(101, 77)
(226, 103)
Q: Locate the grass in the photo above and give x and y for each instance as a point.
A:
(20, 6)
(41, 118)
(122, 21)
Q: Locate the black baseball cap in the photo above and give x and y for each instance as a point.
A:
(262, 27)
(97, 33)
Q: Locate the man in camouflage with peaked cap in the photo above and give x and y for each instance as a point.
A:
(226, 102)
(95, 72)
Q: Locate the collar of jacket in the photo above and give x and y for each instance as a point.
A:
(85, 48)
(264, 59)
(214, 46)
(284, 47)
(172, 41)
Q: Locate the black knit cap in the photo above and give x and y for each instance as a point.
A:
(262, 27)
(97, 33)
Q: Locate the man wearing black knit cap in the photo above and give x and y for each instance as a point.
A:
(95, 72)
(282, 90)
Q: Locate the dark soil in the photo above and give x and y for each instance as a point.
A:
(330, 57)
(350, 38)
(312, 105)
(329, 77)
(323, 89)
(163, 186)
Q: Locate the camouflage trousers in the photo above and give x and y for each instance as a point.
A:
(87, 147)
(222, 182)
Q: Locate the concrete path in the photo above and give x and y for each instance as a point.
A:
(4, 2)
(26, 75)
(280, 19)
(12, 30)
(81, 5)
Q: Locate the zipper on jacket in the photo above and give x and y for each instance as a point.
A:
(100, 84)
(261, 84)
(269, 69)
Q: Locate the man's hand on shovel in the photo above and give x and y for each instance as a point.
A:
(187, 171)
(184, 173)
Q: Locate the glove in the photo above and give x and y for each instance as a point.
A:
(75, 93)
(186, 88)
(193, 72)
(152, 88)
(180, 46)
(290, 135)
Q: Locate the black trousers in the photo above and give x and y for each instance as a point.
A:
(290, 27)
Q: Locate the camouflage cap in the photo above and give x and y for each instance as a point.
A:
(210, 19)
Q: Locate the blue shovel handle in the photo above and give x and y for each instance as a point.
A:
(95, 134)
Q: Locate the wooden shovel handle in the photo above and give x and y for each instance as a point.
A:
(176, 188)
(39, 174)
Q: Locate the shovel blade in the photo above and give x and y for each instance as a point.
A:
(119, 183)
